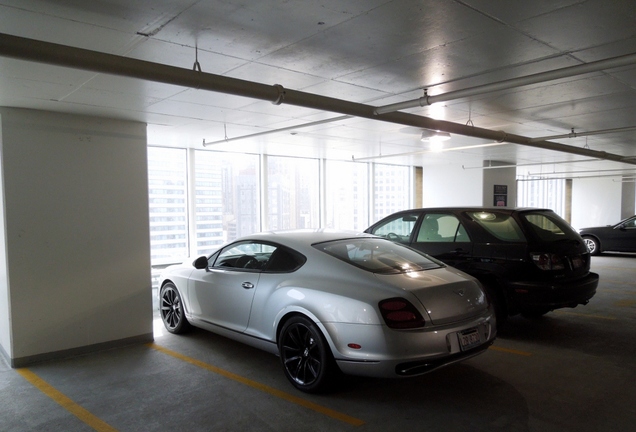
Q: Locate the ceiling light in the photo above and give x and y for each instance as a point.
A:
(434, 135)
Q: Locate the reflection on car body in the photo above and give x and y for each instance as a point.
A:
(530, 260)
(328, 301)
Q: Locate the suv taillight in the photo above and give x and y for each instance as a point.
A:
(399, 313)
(548, 261)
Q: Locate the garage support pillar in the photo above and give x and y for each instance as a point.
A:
(74, 236)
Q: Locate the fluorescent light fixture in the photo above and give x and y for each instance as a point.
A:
(434, 135)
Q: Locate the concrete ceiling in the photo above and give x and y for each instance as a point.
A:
(371, 52)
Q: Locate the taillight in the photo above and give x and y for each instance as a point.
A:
(399, 313)
(548, 261)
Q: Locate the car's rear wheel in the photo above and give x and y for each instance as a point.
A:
(171, 309)
(305, 355)
(592, 245)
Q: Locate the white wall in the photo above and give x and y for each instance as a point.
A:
(596, 201)
(77, 236)
(5, 310)
(451, 185)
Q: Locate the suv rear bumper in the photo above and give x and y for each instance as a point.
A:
(552, 294)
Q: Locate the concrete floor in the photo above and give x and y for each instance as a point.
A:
(572, 370)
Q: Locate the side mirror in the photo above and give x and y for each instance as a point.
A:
(200, 263)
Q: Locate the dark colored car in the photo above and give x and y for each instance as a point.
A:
(615, 238)
(530, 261)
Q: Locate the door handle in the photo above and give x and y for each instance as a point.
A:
(459, 251)
(247, 285)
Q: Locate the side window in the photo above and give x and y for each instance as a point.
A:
(284, 260)
(398, 228)
(441, 227)
(244, 256)
(631, 224)
(502, 226)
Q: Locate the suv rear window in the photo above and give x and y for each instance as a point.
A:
(549, 227)
(500, 225)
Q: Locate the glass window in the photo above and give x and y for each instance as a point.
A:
(259, 257)
(500, 225)
(549, 227)
(442, 228)
(347, 195)
(629, 223)
(392, 189)
(542, 194)
(227, 198)
(293, 191)
(245, 255)
(398, 228)
(167, 198)
(378, 256)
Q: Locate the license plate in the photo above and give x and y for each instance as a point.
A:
(469, 338)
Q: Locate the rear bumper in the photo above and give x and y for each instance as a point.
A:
(388, 353)
(553, 294)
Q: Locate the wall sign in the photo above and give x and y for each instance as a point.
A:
(500, 198)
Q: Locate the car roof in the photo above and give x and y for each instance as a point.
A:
(476, 208)
(304, 237)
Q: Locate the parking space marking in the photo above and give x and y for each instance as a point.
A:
(625, 303)
(262, 387)
(604, 317)
(595, 268)
(618, 291)
(510, 351)
(68, 404)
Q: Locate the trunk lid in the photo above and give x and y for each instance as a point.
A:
(446, 294)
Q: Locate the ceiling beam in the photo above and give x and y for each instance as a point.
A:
(78, 58)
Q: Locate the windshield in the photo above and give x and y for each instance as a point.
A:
(379, 255)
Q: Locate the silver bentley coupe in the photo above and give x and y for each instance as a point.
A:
(330, 302)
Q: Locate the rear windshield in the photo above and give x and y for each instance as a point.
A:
(502, 226)
(379, 255)
(548, 226)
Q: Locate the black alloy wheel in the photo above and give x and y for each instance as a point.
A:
(171, 308)
(305, 355)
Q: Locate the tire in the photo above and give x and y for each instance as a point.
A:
(593, 245)
(171, 310)
(305, 355)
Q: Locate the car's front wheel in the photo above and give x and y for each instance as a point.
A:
(592, 245)
(171, 309)
(305, 355)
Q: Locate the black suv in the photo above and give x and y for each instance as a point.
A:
(530, 261)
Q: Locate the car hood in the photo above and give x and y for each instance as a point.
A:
(448, 296)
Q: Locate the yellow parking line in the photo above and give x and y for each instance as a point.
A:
(510, 351)
(79, 412)
(625, 303)
(586, 315)
(254, 384)
(618, 291)
(613, 268)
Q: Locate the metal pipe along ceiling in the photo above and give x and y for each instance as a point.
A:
(540, 77)
(78, 58)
